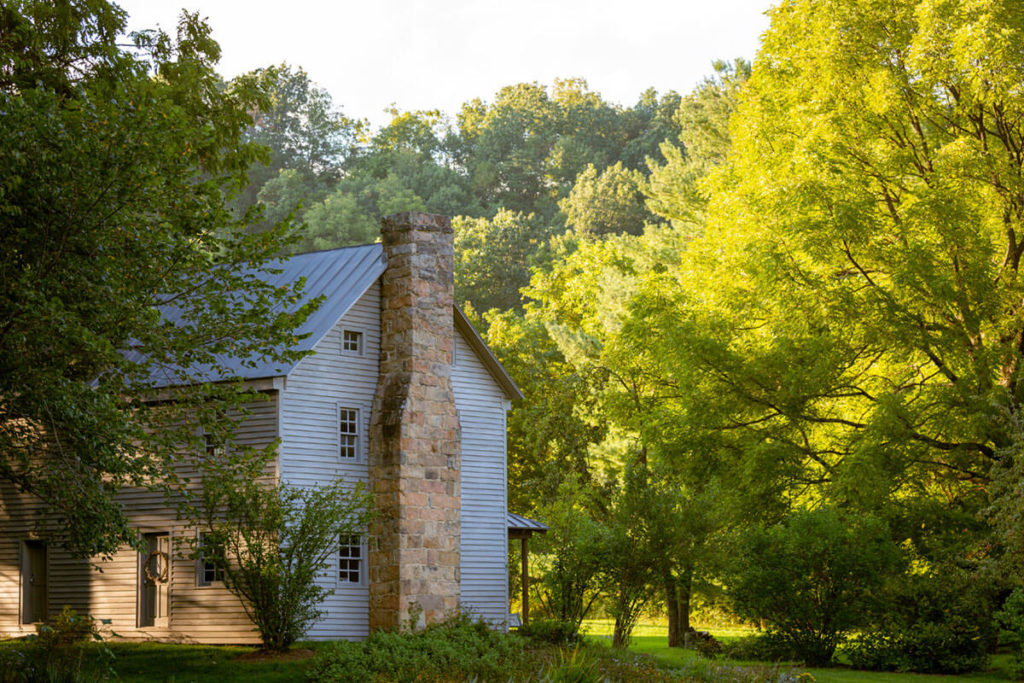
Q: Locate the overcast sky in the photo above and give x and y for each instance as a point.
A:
(437, 54)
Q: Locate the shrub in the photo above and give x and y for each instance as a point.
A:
(572, 668)
(458, 649)
(811, 578)
(705, 644)
(272, 541)
(550, 631)
(55, 653)
(764, 648)
(937, 623)
(1011, 620)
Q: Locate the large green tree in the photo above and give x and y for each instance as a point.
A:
(848, 305)
(115, 165)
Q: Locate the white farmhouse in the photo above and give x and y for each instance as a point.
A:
(399, 392)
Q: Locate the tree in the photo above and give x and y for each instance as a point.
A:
(879, 151)
(862, 338)
(608, 203)
(573, 554)
(550, 433)
(114, 170)
(493, 258)
(700, 145)
(272, 541)
(304, 132)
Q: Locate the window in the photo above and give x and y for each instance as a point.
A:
(348, 432)
(350, 560)
(352, 341)
(209, 570)
(214, 447)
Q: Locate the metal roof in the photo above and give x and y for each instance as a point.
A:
(341, 276)
(516, 522)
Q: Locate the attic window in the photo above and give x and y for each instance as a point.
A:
(352, 341)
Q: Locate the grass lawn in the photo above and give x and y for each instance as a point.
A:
(170, 662)
(650, 638)
(201, 663)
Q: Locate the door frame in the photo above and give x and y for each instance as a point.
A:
(23, 576)
(140, 595)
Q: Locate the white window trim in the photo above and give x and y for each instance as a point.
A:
(362, 342)
(363, 566)
(200, 569)
(359, 433)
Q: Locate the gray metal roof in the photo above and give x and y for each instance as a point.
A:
(516, 522)
(339, 275)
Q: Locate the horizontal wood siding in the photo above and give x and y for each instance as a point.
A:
(484, 549)
(310, 449)
(108, 588)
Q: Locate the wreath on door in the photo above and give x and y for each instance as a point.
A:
(162, 563)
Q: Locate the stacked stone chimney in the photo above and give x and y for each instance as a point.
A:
(415, 453)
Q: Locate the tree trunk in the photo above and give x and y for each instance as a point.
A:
(619, 634)
(684, 587)
(675, 638)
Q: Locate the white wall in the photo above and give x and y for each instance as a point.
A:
(309, 455)
(309, 451)
(484, 560)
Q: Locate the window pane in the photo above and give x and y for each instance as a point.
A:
(351, 341)
(210, 571)
(350, 559)
(349, 432)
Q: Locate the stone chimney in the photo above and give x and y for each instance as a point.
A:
(415, 453)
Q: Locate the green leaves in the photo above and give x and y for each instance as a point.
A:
(116, 165)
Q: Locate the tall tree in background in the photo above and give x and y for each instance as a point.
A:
(862, 340)
(114, 169)
(702, 142)
(304, 132)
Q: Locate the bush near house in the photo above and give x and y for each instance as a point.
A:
(457, 649)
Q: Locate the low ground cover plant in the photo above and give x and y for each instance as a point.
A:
(458, 649)
(57, 652)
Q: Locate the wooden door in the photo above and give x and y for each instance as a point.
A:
(154, 578)
(33, 582)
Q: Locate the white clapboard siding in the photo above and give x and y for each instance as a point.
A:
(108, 588)
(310, 453)
(484, 557)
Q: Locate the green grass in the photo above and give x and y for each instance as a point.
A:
(650, 638)
(175, 663)
(171, 662)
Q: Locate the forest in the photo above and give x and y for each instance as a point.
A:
(770, 331)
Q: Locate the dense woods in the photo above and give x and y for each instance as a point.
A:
(770, 331)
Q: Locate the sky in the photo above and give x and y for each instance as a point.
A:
(437, 54)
